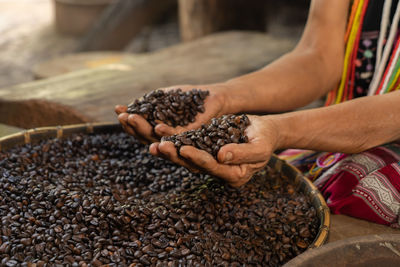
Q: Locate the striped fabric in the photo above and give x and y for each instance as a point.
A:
(384, 16)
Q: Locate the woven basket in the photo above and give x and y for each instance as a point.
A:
(294, 176)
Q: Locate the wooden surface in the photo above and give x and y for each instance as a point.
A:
(79, 61)
(95, 92)
(198, 18)
(343, 227)
(7, 129)
(365, 251)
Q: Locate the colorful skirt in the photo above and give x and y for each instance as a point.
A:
(364, 185)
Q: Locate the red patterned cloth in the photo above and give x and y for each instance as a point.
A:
(365, 185)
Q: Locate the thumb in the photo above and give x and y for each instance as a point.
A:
(243, 153)
(120, 109)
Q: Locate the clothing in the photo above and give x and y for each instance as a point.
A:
(365, 185)
(362, 52)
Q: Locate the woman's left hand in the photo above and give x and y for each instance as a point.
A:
(236, 162)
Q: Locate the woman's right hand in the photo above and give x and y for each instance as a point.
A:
(235, 163)
(214, 105)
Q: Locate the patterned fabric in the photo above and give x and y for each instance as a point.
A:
(365, 63)
(365, 185)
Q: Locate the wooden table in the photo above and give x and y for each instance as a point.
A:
(343, 227)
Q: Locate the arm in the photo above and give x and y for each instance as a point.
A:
(296, 79)
(350, 127)
(308, 72)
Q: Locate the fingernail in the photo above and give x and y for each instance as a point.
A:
(228, 156)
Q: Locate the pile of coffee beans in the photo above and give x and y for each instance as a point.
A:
(174, 107)
(92, 200)
(211, 137)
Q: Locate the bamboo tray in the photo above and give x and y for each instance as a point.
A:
(295, 177)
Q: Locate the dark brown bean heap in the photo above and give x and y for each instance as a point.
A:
(174, 108)
(102, 199)
(211, 137)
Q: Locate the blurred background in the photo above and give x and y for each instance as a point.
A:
(71, 61)
(33, 31)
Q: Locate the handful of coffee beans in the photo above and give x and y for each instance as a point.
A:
(211, 137)
(174, 108)
(102, 199)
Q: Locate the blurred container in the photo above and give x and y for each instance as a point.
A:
(75, 17)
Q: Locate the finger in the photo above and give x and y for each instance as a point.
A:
(202, 160)
(142, 127)
(163, 129)
(155, 150)
(137, 137)
(123, 119)
(251, 168)
(128, 129)
(169, 151)
(120, 109)
(243, 153)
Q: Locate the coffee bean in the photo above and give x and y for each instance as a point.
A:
(211, 137)
(304, 232)
(128, 208)
(173, 107)
(26, 241)
(185, 252)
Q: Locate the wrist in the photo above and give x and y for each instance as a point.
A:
(284, 130)
(231, 97)
(223, 94)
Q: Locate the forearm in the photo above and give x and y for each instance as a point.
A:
(292, 81)
(303, 75)
(350, 127)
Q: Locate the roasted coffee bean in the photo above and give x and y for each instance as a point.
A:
(173, 107)
(59, 207)
(211, 137)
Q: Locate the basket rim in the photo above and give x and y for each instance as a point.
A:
(25, 137)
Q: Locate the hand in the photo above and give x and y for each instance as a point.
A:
(236, 162)
(136, 125)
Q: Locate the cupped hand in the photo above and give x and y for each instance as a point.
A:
(236, 162)
(136, 125)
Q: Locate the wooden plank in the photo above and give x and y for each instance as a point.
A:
(94, 92)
